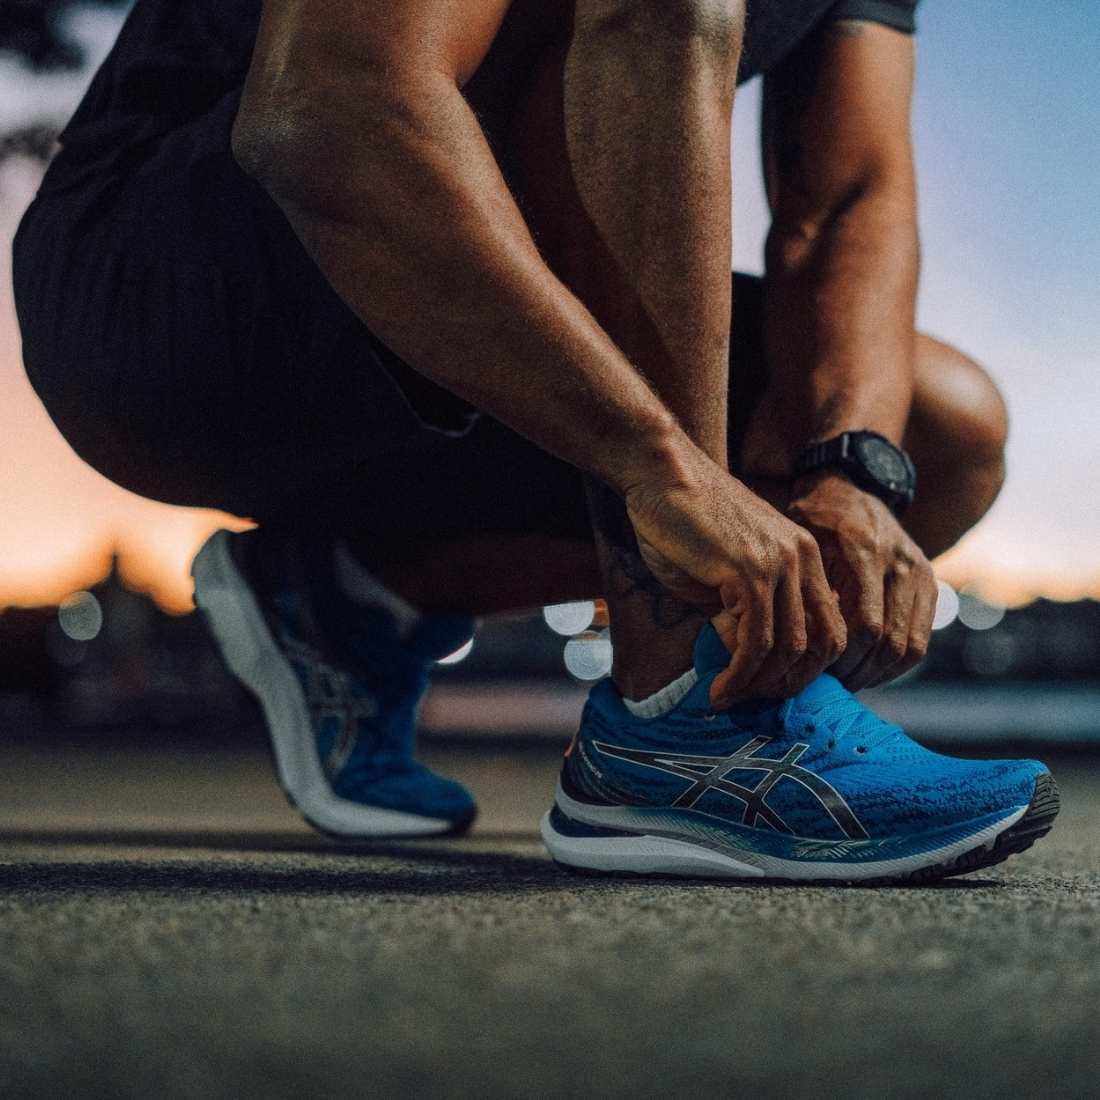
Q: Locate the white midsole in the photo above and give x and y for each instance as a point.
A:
(663, 855)
(242, 634)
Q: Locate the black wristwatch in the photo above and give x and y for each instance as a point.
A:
(868, 459)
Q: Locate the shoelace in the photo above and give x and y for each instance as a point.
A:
(843, 716)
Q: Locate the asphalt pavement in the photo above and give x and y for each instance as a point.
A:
(168, 928)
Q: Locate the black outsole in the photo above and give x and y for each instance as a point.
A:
(1035, 823)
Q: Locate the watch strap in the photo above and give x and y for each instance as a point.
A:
(838, 453)
(816, 456)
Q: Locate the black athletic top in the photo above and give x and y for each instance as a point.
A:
(173, 60)
(775, 27)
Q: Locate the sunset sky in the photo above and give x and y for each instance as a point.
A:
(1009, 160)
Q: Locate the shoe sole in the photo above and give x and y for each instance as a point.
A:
(648, 855)
(252, 655)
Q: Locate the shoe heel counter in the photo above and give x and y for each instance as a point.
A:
(580, 777)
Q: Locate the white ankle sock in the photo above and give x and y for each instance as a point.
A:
(661, 702)
(362, 586)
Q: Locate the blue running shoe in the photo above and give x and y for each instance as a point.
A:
(338, 682)
(816, 788)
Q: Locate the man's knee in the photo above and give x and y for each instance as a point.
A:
(718, 24)
(958, 404)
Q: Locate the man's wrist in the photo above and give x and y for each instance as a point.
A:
(803, 485)
(833, 488)
(658, 452)
(868, 459)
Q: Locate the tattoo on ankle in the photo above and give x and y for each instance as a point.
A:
(630, 577)
(626, 571)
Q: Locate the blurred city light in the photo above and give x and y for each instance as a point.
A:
(975, 613)
(990, 654)
(569, 618)
(80, 616)
(459, 654)
(947, 606)
(65, 651)
(588, 656)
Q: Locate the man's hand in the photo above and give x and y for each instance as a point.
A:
(715, 544)
(886, 587)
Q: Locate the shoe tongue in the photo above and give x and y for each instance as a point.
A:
(710, 654)
(710, 657)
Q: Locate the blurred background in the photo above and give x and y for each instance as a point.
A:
(96, 633)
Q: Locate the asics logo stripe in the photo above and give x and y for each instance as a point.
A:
(330, 698)
(709, 773)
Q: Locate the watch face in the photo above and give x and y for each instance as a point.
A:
(883, 462)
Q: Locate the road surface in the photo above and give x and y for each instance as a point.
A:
(169, 929)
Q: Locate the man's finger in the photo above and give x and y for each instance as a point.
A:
(899, 596)
(920, 628)
(924, 612)
(863, 604)
(812, 665)
(749, 641)
(791, 642)
(827, 633)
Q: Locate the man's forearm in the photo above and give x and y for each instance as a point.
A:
(648, 100)
(839, 319)
(397, 197)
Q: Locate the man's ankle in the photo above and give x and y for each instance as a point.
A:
(665, 699)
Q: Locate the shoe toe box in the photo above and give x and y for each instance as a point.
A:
(944, 793)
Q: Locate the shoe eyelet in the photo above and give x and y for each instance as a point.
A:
(832, 743)
(861, 748)
(810, 727)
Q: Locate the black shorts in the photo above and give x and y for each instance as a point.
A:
(188, 348)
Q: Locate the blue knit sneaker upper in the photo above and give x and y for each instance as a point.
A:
(820, 765)
(363, 682)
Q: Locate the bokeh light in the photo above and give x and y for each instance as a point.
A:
(975, 613)
(990, 654)
(588, 656)
(80, 616)
(459, 654)
(569, 618)
(947, 606)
